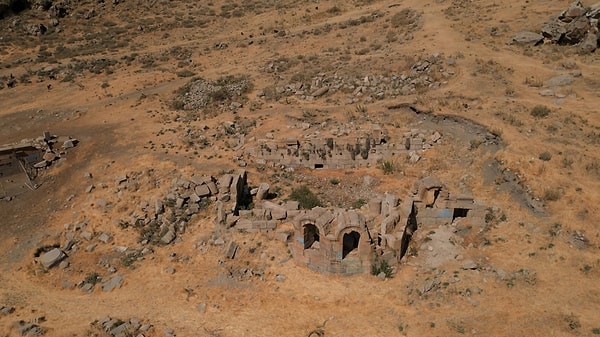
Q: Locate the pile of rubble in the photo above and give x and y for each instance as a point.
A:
(430, 72)
(114, 327)
(200, 92)
(576, 25)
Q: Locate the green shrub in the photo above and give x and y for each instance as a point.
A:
(381, 266)
(545, 156)
(552, 194)
(305, 197)
(387, 167)
(540, 111)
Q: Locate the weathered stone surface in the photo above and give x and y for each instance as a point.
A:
(202, 191)
(230, 249)
(113, 283)
(594, 11)
(168, 237)
(527, 38)
(559, 81)
(320, 92)
(263, 191)
(5, 311)
(159, 207)
(590, 42)
(574, 11)
(51, 258)
(553, 30)
(104, 238)
(576, 30)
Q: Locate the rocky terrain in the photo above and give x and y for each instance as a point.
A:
(154, 156)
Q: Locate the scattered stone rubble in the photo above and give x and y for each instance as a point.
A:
(114, 327)
(342, 149)
(351, 241)
(31, 155)
(576, 25)
(31, 328)
(430, 72)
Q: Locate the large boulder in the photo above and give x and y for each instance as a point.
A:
(576, 30)
(52, 258)
(590, 42)
(554, 30)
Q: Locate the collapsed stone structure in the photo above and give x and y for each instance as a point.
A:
(19, 162)
(364, 149)
(576, 25)
(340, 241)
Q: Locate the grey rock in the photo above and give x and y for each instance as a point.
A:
(51, 258)
(63, 265)
(559, 81)
(594, 11)
(469, 264)
(5, 311)
(553, 30)
(590, 42)
(113, 283)
(576, 30)
(574, 11)
(527, 38)
(320, 92)
(104, 238)
(230, 250)
(263, 191)
(87, 287)
(159, 207)
(202, 307)
(280, 277)
(170, 270)
(202, 191)
(168, 237)
(67, 144)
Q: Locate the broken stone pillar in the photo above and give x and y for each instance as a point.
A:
(263, 191)
(375, 206)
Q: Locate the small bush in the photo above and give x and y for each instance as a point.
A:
(334, 181)
(305, 197)
(552, 194)
(359, 203)
(540, 111)
(545, 156)
(381, 267)
(388, 167)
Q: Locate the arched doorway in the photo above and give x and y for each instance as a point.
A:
(311, 235)
(349, 243)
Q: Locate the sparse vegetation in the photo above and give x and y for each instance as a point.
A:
(388, 167)
(305, 197)
(540, 111)
(545, 156)
(381, 266)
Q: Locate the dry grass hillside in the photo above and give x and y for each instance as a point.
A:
(158, 91)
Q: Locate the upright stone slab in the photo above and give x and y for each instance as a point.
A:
(263, 191)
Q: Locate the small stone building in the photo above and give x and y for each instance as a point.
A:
(332, 241)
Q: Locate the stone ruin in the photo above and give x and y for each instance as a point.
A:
(341, 241)
(576, 25)
(20, 162)
(363, 148)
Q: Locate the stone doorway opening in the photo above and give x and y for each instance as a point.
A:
(350, 243)
(311, 236)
